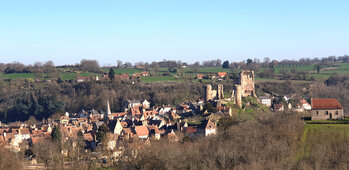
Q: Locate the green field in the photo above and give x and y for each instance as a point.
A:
(326, 72)
(42, 76)
(317, 134)
(159, 78)
(123, 70)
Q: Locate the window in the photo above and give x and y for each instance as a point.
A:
(317, 112)
(326, 113)
(336, 112)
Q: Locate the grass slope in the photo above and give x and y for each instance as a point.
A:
(316, 134)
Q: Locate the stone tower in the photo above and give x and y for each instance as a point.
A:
(238, 95)
(247, 83)
(220, 93)
(208, 93)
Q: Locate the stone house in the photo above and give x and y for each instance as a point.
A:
(326, 108)
(206, 128)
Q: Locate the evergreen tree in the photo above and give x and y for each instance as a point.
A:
(56, 134)
(225, 64)
(102, 133)
(111, 73)
(80, 140)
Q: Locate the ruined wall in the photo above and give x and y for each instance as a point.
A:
(220, 93)
(247, 83)
(238, 95)
(213, 94)
(208, 93)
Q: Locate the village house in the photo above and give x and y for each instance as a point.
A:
(278, 107)
(206, 128)
(122, 77)
(145, 104)
(142, 132)
(326, 108)
(222, 74)
(145, 74)
(305, 105)
(199, 76)
(265, 100)
(80, 79)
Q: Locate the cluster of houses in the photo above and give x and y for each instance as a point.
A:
(139, 121)
(217, 76)
(319, 109)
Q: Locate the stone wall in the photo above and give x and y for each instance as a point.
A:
(208, 92)
(238, 95)
(327, 114)
(220, 93)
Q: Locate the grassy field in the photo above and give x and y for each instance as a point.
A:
(159, 78)
(340, 68)
(42, 76)
(317, 134)
(297, 67)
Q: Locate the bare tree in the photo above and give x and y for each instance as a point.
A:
(119, 64)
(89, 65)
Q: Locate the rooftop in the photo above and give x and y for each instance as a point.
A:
(326, 103)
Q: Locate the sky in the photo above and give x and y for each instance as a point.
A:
(67, 31)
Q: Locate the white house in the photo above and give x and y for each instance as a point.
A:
(265, 100)
(305, 105)
(210, 129)
(146, 104)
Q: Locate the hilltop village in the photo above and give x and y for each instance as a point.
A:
(141, 122)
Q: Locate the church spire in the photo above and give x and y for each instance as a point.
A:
(109, 112)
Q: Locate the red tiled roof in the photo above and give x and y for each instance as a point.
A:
(190, 129)
(38, 139)
(222, 73)
(118, 114)
(142, 130)
(326, 103)
(122, 76)
(278, 106)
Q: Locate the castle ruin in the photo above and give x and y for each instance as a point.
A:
(244, 88)
(246, 80)
(210, 94)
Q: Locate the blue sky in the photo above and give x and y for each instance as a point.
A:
(67, 31)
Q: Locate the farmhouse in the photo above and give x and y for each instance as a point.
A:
(323, 109)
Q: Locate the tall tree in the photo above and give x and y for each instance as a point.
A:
(111, 74)
(56, 135)
(102, 133)
(248, 61)
(318, 67)
(225, 64)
